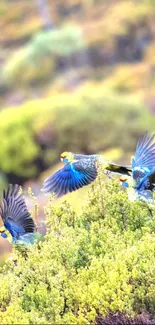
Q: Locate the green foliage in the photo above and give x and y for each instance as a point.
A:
(85, 121)
(102, 120)
(18, 146)
(42, 51)
(90, 263)
(63, 42)
(126, 80)
(77, 26)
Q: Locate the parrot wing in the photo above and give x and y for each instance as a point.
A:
(143, 163)
(70, 178)
(145, 152)
(17, 220)
(151, 182)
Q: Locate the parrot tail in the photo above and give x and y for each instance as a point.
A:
(123, 170)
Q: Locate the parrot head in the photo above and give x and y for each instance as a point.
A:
(3, 232)
(124, 181)
(67, 157)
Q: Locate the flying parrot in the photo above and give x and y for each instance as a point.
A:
(79, 170)
(19, 227)
(141, 184)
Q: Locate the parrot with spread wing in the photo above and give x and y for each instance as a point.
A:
(19, 227)
(141, 184)
(79, 170)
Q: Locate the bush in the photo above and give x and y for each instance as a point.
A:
(43, 50)
(34, 134)
(94, 263)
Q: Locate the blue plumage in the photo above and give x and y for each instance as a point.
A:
(143, 163)
(145, 153)
(143, 168)
(79, 170)
(70, 178)
(13, 228)
(16, 217)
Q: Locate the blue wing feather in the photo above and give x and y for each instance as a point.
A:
(143, 143)
(69, 179)
(14, 213)
(143, 163)
(143, 167)
(145, 153)
(13, 228)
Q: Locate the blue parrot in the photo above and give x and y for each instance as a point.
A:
(141, 184)
(79, 170)
(19, 227)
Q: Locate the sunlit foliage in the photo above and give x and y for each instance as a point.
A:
(90, 263)
(38, 59)
(97, 33)
(34, 134)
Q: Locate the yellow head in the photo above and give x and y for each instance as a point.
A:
(67, 157)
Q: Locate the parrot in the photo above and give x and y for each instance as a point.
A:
(19, 227)
(79, 170)
(141, 183)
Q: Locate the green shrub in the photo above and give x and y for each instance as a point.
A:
(43, 51)
(34, 134)
(99, 261)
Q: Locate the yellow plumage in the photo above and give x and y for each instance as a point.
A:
(68, 155)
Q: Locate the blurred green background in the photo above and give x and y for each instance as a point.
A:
(75, 76)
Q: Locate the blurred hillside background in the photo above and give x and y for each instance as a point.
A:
(76, 75)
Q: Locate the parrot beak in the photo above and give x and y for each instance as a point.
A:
(121, 181)
(61, 159)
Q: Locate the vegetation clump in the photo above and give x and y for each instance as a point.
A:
(96, 262)
(40, 141)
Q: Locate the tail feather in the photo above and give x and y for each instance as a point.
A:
(123, 170)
